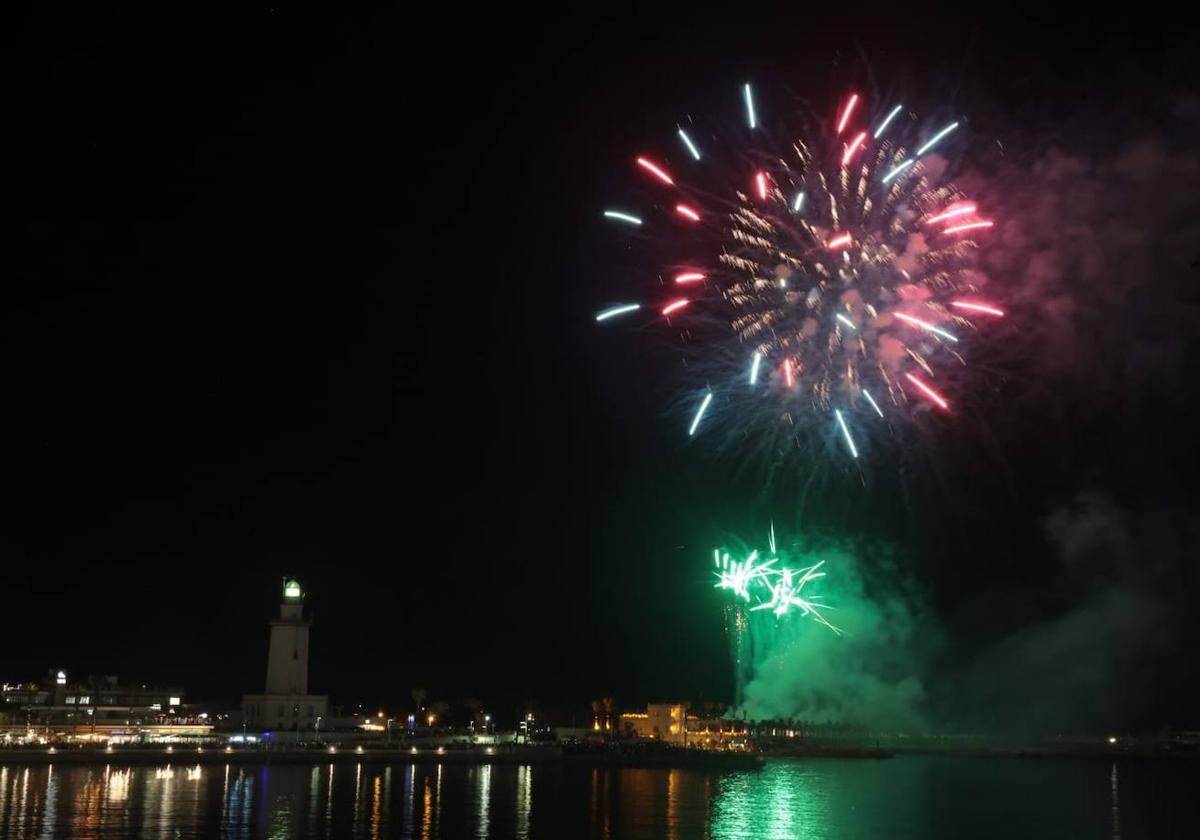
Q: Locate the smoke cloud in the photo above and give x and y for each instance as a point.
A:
(802, 670)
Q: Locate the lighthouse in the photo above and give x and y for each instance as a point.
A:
(287, 656)
(286, 706)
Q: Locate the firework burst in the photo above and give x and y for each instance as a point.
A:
(824, 286)
(770, 584)
(770, 596)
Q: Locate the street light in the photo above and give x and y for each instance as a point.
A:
(317, 729)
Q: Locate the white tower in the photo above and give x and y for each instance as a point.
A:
(287, 707)
(287, 657)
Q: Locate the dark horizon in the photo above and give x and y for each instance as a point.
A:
(291, 298)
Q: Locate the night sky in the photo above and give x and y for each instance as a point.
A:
(288, 295)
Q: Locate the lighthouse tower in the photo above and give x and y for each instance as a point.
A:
(287, 707)
(287, 657)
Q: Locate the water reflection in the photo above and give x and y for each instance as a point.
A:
(357, 795)
(89, 800)
(926, 797)
(313, 798)
(785, 800)
(484, 794)
(1116, 805)
(239, 803)
(524, 799)
(427, 812)
(116, 785)
(601, 810)
(410, 775)
(48, 809)
(437, 799)
(329, 800)
(376, 807)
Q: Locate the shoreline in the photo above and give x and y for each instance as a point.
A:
(554, 755)
(699, 759)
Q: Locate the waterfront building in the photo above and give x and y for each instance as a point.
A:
(96, 709)
(660, 721)
(672, 724)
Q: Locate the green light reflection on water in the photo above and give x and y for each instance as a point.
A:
(784, 800)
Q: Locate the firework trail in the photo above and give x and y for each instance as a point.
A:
(825, 289)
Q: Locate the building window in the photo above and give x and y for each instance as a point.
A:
(71, 701)
(84, 700)
(174, 701)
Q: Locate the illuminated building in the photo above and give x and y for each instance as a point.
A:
(286, 705)
(660, 721)
(96, 709)
(671, 724)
